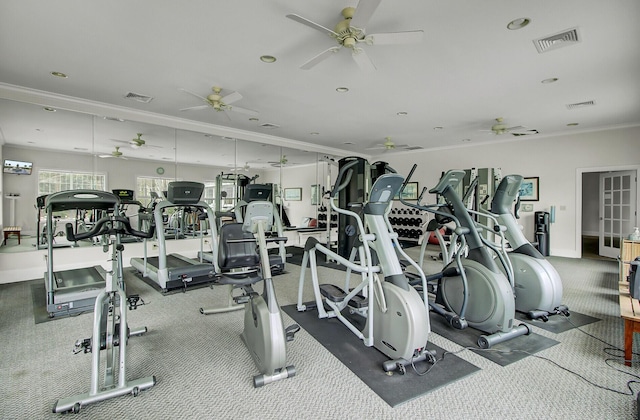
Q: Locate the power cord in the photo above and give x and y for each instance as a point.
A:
(608, 361)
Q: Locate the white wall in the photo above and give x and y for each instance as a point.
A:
(556, 160)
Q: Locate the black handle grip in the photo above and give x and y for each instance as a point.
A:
(102, 226)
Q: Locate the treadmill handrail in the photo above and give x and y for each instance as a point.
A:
(101, 227)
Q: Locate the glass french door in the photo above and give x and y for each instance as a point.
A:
(617, 210)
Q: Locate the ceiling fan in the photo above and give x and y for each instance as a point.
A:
(281, 163)
(387, 145)
(500, 128)
(351, 31)
(219, 102)
(245, 168)
(137, 142)
(115, 154)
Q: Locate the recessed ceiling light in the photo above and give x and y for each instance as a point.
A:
(402, 113)
(267, 59)
(466, 140)
(227, 138)
(550, 80)
(342, 89)
(572, 124)
(59, 74)
(314, 133)
(209, 135)
(49, 109)
(518, 23)
(31, 142)
(254, 119)
(438, 128)
(347, 142)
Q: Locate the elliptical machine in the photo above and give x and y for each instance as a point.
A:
(110, 329)
(241, 266)
(396, 316)
(470, 291)
(538, 287)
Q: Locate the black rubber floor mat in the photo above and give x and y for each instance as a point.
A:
(295, 257)
(503, 353)
(559, 323)
(366, 362)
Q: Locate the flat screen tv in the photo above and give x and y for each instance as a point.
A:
(17, 167)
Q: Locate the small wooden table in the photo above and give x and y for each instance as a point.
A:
(630, 312)
(9, 231)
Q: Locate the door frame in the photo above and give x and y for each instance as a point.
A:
(578, 216)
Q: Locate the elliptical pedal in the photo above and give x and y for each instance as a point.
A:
(336, 294)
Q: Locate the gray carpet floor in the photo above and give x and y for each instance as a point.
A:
(204, 371)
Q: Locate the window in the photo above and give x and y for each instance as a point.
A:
(50, 181)
(145, 185)
(209, 195)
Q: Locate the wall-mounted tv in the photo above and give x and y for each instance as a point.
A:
(17, 167)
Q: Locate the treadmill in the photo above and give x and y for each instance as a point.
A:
(256, 192)
(174, 270)
(72, 292)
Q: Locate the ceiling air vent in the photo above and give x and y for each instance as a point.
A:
(562, 39)
(137, 97)
(581, 104)
(412, 148)
(269, 125)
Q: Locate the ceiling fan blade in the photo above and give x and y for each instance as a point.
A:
(362, 59)
(202, 98)
(318, 58)
(516, 128)
(195, 107)
(231, 98)
(311, 24)
(243, 110)
(364, 10)
(392, 38)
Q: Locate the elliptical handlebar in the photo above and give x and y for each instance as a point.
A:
(340, 182)
(101, 227)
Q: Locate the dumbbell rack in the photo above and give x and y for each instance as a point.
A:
(408, 223)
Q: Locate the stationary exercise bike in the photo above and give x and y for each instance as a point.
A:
(396, 316)
(538, 287)
(470, 291)
(241, 266)
(110, 329)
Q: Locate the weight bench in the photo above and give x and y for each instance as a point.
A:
(11, 231)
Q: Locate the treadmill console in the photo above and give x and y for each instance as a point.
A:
(125, 196)
(257, 192)
(184, 192)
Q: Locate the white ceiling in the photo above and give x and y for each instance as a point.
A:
(469, 70)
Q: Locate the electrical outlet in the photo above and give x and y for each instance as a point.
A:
(154, 246)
